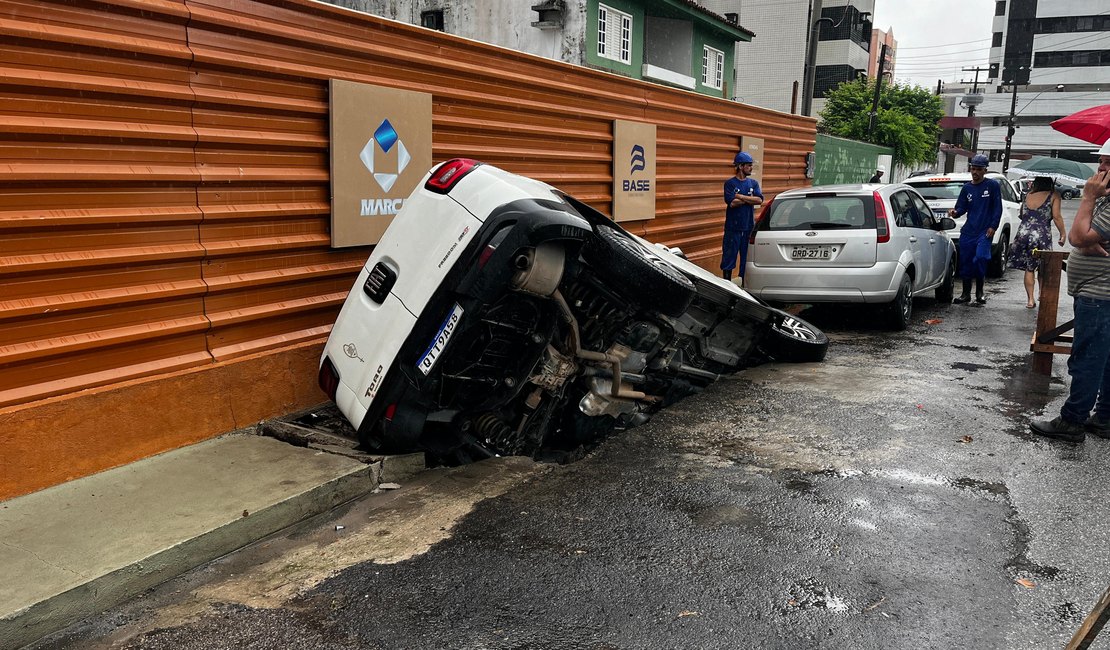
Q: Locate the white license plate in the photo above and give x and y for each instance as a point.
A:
(941, 213)
(811, 252)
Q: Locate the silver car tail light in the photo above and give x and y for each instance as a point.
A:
(882, 227)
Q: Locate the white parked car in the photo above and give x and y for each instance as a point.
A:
(941, 191)
(500, 316)
(851, 243)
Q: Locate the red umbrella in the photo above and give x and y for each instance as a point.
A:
(1091, 125)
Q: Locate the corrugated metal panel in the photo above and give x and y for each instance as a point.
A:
(99, 254)
(165, 197)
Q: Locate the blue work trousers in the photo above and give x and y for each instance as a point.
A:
(1089, 363)
(735, 243)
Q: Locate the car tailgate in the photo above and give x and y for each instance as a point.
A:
(814, 248)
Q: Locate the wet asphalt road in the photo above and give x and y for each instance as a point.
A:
(890, 497)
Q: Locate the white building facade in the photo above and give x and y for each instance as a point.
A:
(1056, 54)
(769, 68)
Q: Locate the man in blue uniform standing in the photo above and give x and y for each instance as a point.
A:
(742, 194)
(981, 201)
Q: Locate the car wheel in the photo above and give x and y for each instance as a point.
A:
(944, 291)
(1001, 258)
(639, 274)
(793, 340)
(1067, 195)
(901, 310)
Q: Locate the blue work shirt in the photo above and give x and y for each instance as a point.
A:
(982, 204)
(741, 218)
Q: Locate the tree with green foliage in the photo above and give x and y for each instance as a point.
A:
(908, 118)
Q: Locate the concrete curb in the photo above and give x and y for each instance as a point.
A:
(313, 482)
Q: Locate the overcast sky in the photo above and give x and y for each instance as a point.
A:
(937, 37)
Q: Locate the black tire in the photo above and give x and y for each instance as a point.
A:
(901, 309)
(945, 290)
(639, 274)
(793, 340)
(1000, 257)
(1067, 195)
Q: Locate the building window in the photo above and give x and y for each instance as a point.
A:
(1000, 8)
(614, 34)
(996, 41)
(712, 67)
(432, 19)
(1070, 59)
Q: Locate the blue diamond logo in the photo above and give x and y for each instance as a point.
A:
(385, 136)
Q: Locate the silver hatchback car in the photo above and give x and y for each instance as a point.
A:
(851, 243)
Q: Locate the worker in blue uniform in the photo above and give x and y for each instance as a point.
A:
(742, 194)
(981, 201)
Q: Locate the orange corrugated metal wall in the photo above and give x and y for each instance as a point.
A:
(164, 201)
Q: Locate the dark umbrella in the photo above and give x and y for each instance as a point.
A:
(1059, 166)
(1090, 125)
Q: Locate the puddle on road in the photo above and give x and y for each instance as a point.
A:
(971, 367)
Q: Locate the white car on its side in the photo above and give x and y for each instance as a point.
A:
(942, 190)
(499, 315)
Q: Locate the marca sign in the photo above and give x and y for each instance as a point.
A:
(633, 170)
(381, 147)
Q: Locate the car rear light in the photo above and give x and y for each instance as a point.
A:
(379, 283)
(882, 227)
(494, 242)
(449, 174)
(328, 379)
(390, 411)
(763, 214)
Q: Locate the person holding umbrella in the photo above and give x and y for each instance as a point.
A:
(981, 201)
(1089, 284)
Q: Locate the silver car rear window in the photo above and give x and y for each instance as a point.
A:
(822, 213)
(939, 190)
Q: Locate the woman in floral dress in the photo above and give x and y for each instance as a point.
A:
(1039, 211)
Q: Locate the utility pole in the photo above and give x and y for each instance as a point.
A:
(974, 86)
(971, 103)
(874, 116)
(811, 58)
(1010, 129)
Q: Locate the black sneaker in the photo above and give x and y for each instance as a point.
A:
(981, 300)
(1095, 426)
(962, 300)
(1058, 428)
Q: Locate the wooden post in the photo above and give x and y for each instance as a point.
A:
(1087, 632)
(1052, 264)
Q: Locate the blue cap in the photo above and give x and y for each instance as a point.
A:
(979, 160)
(741, 158)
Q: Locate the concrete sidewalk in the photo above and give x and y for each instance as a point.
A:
(81, 547)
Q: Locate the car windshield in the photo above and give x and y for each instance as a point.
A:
(939, 190)
(822, 213)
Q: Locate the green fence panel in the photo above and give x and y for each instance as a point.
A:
(846, 161)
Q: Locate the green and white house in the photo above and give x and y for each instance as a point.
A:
(671, 42)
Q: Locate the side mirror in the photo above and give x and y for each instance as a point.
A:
(947, 223)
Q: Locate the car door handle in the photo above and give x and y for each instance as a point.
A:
(932, 241)
(913, 240)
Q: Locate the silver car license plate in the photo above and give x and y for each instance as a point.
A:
(811, 252)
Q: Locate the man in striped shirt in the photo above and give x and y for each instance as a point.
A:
(1089, 284)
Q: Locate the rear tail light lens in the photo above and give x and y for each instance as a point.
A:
(762, 218)
(449, 174)
(882, 227)
(494, 242)
(328, 379)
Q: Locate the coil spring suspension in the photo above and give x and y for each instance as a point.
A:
(496, 433)
(597, 317)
